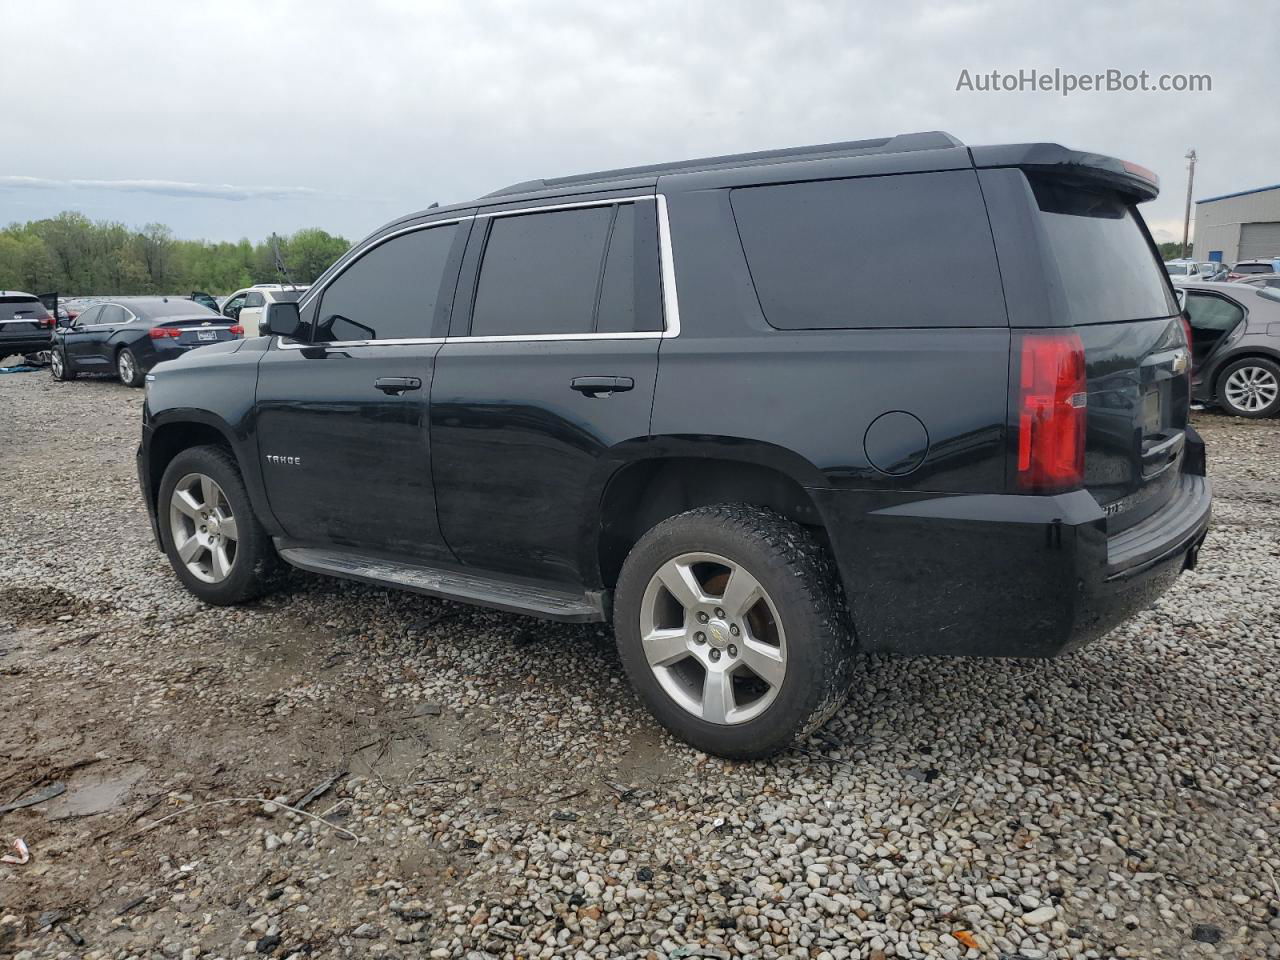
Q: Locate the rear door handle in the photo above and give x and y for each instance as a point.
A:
(397, 385)
(601, 386)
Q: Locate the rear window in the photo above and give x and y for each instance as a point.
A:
(22, 308)
(1254, 268)
(816, 252)
(177, 307)
(1108, 269)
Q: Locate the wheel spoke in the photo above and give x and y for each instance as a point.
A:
(662, 648)
(227, 527)
(717, 697)
(741, 593)
(678, 578)
(221, 565)
(209, 492)
(186, 503)
(189, 550)
(764, 661)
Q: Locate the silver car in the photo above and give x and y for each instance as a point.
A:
(1235, 346)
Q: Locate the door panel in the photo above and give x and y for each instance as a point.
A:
(343, 462)
(518, 451)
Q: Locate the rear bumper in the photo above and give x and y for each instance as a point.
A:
(1005, 575)
(24, 344)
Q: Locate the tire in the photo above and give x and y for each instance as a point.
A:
(1250, 387)
(799, 618)
(213, 570)
(59, 366)
(127, 368)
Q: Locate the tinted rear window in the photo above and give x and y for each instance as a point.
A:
(1108, 269)
(816, 252)
(21, 308)
(176, 307)
(1254, 268)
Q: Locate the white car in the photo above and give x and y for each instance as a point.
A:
(1184, 271)
(245, 306)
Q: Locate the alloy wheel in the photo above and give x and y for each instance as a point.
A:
(1252, 388)
(55, 364)
(713, 638)
(203, 528)
(125, 367)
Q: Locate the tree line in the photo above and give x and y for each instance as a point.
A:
(75, 256)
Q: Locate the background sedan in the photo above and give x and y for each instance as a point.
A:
(130, 335)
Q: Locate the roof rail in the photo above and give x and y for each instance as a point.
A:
(902, 143)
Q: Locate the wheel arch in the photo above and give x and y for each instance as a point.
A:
(180, 430)
(675, 477)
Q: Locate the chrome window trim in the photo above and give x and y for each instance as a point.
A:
(322, 282)
(666, 271)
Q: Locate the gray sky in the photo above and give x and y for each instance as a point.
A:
(233, 118)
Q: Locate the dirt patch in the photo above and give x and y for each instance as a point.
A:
(43, 605)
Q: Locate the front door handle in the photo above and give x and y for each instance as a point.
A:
(601, 386)
(397, 385)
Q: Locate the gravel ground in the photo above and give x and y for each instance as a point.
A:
(500, 792)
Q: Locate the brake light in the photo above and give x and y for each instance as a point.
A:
(236, 329)
(160, 333)
(1052, 404)
(46, 323)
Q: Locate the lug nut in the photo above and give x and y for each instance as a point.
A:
(715, 654)
(719, 613)
(702, 617)
(733, 651)
(699, 637)
(733, 628)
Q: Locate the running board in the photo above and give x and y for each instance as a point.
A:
(517, 596)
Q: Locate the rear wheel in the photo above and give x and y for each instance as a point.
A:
(729, 624)
(214, 542)
(59, 367)
(127, 368)
(1250, 387)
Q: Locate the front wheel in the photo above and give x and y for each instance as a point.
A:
(214, 542)
(59, 367)
(127, 368)
(730, 626)
(1250, 387)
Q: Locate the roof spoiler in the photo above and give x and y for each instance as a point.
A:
(1057, 161)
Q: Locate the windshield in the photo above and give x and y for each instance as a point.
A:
(21, 308)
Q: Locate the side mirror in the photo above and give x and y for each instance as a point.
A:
(63, 322)
(280, 320)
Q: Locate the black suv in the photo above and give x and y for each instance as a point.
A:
(674, 396)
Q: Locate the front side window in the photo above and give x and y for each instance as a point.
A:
(254, 299)
(87, 317)
(390, 292)
(232, 307)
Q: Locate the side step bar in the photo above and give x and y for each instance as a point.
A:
(538, 600)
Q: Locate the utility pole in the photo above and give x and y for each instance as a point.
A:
(1186, 220)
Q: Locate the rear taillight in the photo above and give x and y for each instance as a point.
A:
(161, 333)
(46, 323)
(1051, 402)
(236, 329)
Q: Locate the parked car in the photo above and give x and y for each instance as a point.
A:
(662, 395)
(1181, 271)
(1247, 268)
(1235, 336)
(26, 325)
(245, 306)
(130, 335)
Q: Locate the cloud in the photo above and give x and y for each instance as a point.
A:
(164, 188)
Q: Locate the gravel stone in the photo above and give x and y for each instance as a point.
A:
(495, 790)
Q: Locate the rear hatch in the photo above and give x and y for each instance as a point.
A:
(23, 316)
(1117, 298)
(198, 331)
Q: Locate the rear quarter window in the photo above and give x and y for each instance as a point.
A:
(820, 252)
